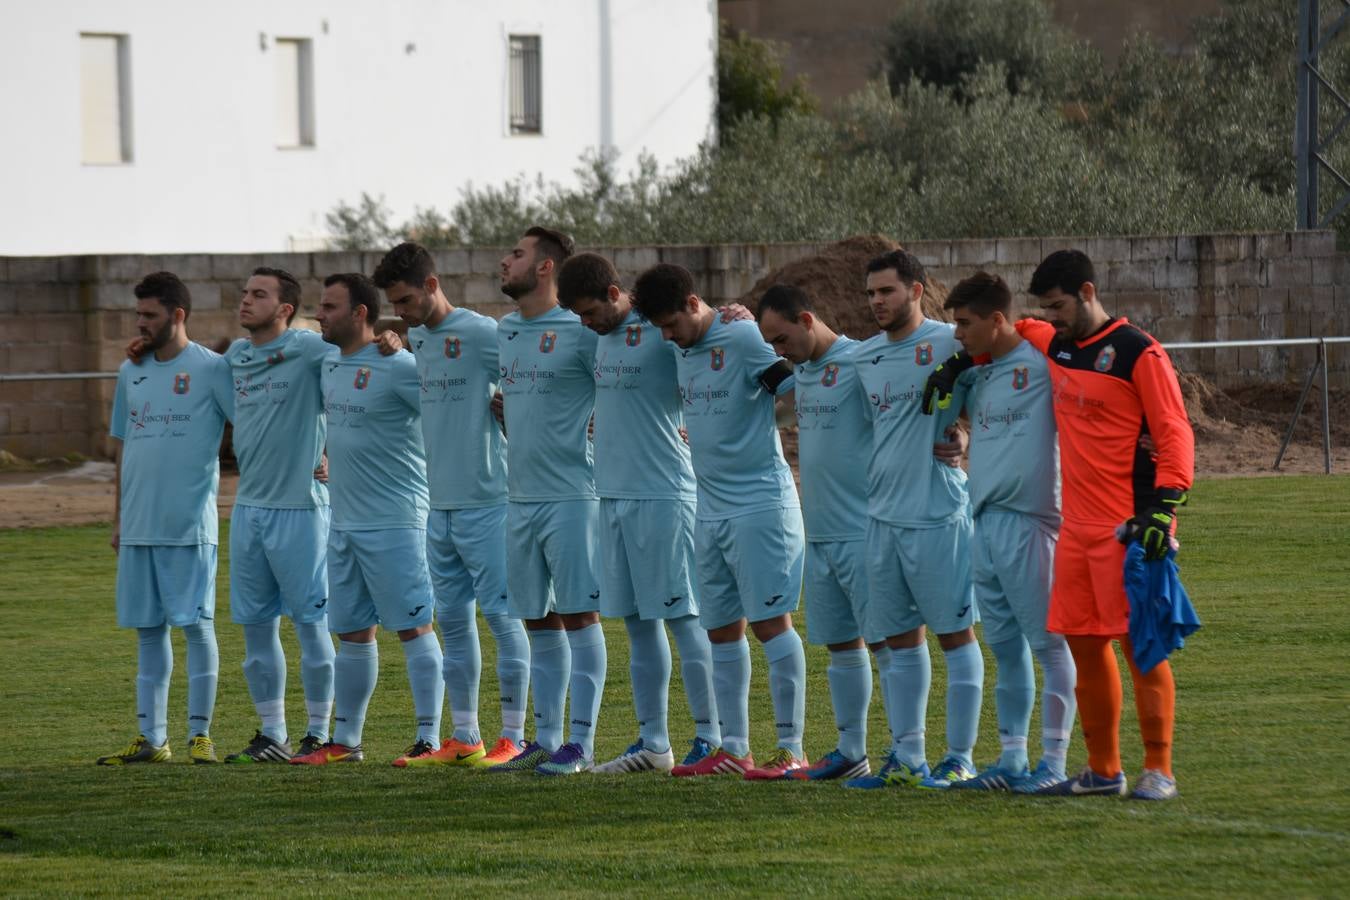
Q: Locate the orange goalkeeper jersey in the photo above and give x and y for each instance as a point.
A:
(1109, 391)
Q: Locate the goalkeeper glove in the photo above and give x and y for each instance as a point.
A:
(937, 392)
(1153, 528)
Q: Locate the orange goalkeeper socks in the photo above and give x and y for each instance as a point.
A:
(1155, 699)
(1099, 701)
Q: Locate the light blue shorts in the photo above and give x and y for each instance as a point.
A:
(836, 592)
(277, 564)
(1012, 565)
(466, 555)
(165, 584)
(749, 567)
(551, 559)
(378, 578)
(920, 576)
(647, 556)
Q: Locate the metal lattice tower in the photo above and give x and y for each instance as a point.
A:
(1309, 144)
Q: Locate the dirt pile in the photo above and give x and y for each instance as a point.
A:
(834, 280)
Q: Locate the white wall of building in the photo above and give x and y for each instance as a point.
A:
(410, 101)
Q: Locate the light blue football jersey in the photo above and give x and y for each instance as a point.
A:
(547, 371)
(279, 423)
(738, 457)
(377, 472)
(834, 441)
(639, 454)
(907, 486)
(466, 453)
(170, 417)
(1014, 447)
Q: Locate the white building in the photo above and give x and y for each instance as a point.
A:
(163, 126)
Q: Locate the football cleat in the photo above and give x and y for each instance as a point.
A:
(504, 750)
(568, 760)
(527, 760)
(893, 774)
(718, 762)
(1043, 776)
(637, 758)
(948, 772)
(779, 767)
(452, 753)
(138, 751)
(1154, 785)
(994, 778)
(415, 754)
(330, 752)
(308, 744)
(262, 749)
(202, 750)
(1086, 784)
(698, 749)
(831, 766)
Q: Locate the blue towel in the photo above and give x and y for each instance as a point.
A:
(1161, 615)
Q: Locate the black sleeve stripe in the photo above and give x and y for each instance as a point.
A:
(775, 375)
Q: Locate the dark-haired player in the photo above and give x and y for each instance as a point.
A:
(645, 481)
(748, 535)
(456, 352)
(168, 416)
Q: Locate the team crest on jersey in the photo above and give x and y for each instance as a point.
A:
(1105, 359)
(634, 336)
(831, 376)
(274, 358)
(452, 348)
(1021, 378)
(718, 358)
(923, 355)
(362, 378)
(547, 341)
(181, 382)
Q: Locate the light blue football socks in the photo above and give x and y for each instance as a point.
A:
(265, 674)
(590, 660)
(787, 688)
(691, 641)
(965, 693)
(1058, 703)
(883, 657)
(550, 671)
(461, 668)
(316, 673)
(154, 665)
(203, 665)
(355, 671)
(422, 656)
(1014, 696)
(910, 677)
(649, 667)
(850, 677)
(731, 687)
(513, 672)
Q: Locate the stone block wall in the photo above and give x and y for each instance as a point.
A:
(76, 313)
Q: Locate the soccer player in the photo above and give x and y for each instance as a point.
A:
(1114, 386)
(833, 437)
(645, 481)
(456, 351)
(279, 527)
(748, 536)
(1014, 491)
(168, 416)
(918, 534)
(377, 569)
(547, 363)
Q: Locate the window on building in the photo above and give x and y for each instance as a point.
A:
(105, 99)
(295, 92)
(526, 107)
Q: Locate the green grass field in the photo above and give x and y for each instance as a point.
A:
(1263, 718)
